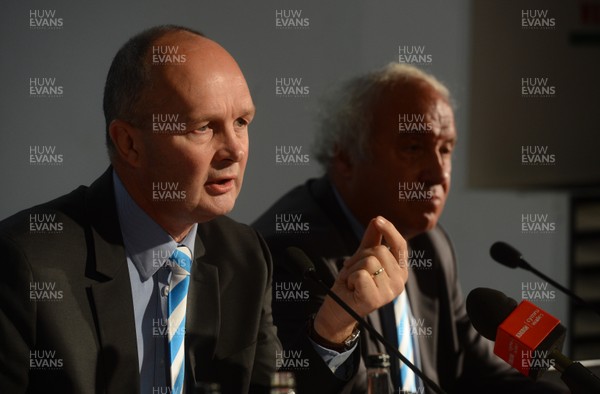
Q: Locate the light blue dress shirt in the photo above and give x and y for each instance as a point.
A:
(148, 247)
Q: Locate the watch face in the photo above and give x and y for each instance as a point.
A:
(351, 340)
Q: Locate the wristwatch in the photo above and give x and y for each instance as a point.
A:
(346, 345)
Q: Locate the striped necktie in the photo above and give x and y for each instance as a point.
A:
(180, 280)
(405, 341)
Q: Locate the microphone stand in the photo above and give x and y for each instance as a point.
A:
(580, 301)
(578, 378)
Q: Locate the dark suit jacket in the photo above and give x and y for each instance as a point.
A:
(86, 333)
(452, 353)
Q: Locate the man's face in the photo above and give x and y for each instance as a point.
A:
(407, 177)
(195, 136)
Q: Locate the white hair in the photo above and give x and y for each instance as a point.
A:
(346, 116)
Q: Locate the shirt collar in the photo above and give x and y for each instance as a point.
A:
(147, 244)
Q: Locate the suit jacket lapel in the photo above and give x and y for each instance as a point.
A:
(202, 318)
(422, 291)
(111, 295)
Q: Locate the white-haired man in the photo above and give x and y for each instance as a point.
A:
(386, 142)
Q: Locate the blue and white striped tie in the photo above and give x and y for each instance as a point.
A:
(405, 341)
(180, 281)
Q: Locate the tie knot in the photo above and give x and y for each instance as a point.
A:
(182, 257)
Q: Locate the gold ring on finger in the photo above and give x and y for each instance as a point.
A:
(379, 271)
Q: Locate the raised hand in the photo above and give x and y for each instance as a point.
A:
(370, 279)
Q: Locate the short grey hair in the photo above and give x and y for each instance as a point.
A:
(129, 75)
(346, 116)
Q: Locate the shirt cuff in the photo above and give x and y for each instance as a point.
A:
(336, 361)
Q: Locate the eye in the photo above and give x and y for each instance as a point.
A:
(447, 149)
(241, 122)
(203, 129)
(202, 132)
(414, 147)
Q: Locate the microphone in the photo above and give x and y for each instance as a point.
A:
(512, 258)
(524, 334)
(302, 266)
(507, 255)
(526, 337)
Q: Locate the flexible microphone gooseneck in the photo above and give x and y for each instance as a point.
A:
(512, 258)
(304, 267)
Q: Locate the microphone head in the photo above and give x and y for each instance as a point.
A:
(506, 255)
(487, 309)
(300, 264)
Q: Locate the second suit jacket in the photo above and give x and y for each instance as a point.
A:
(452, 353)
(66, 310)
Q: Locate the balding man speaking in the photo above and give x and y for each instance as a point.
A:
(142, 285)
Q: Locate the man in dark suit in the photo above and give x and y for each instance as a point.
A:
(386, 141)
(139, 284)
(177, 109)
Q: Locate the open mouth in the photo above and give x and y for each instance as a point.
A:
(219, 186)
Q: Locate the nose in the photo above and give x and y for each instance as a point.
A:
(436, 169)
(232, 145)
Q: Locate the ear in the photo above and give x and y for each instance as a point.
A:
(126, 140)
(341, 164)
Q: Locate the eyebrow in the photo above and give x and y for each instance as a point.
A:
(250, 110)
(201, 117)
(451, 140)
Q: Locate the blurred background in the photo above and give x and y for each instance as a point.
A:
(524, 77)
